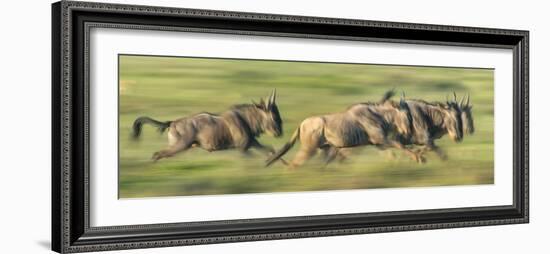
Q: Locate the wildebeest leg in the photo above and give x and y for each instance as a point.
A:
(380, 139)
(390, 155)
(344, 153)
(325, 152)
(432, 147)
(440, 153)
(415, 156)
(302, 156)
(267, 150)
(245, 153)
(330, 154)
(178, 146)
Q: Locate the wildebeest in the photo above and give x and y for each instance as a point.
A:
(361, 124)
(432, 120)
(236, 128)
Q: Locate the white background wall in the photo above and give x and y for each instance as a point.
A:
(25, 126)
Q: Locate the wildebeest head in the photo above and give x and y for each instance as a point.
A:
(466, 115)
(271, 119)
(453, 120)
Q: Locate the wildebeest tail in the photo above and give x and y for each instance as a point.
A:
(285, 148)
(138, 124)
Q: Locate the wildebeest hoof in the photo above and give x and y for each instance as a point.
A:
(156, 157)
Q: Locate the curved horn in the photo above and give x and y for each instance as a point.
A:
(271, 99)
(468, 100)
(454, 95)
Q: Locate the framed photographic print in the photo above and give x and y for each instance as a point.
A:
(181, 126)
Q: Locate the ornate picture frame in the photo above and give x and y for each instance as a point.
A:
(71, 24)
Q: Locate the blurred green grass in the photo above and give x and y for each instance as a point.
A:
(166, 88)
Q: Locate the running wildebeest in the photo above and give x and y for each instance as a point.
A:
(430, 121)
(236, 128)
(361, 124)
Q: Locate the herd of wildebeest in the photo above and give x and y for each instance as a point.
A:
(411, 125)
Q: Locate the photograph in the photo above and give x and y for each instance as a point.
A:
(216, 126)
(196, 124)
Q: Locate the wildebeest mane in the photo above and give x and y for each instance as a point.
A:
(246, 114)
(249, 115)
(377, 117)
(385, 99)
(242, 106)
(207, 113)
(436, 103)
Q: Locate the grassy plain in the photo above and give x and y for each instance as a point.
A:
(166, 88)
